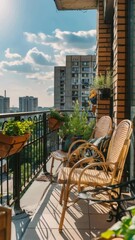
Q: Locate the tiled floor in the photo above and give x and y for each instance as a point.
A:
(81, 221)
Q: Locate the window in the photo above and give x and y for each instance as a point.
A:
(85, 75)
(85, 69)
(85, 63)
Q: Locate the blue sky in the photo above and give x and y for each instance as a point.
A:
(35, 37)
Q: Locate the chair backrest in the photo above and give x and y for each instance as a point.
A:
(5, 223)
(118, 149)
(103, 127)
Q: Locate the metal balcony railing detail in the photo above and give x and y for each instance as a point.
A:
(18, 171)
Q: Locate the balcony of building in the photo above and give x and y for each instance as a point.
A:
(26, 187)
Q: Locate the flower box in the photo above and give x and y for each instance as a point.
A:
(54, 124)
(10, 145)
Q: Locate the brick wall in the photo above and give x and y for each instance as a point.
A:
(119, 60)
(104, 55)
(111, 53)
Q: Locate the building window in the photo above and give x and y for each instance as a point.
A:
(74, 74)
(85, 69)
(75, 69)
(85, 75)
(85, 63)
(75, 63)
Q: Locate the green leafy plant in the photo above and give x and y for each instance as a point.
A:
(18, 128)
(103, 81)
(54, 113)
(124, 228)
(77, 124)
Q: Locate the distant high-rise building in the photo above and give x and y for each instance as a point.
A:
(72, 82)
(28, 104)
(4, 104)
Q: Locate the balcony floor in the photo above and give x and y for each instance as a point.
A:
(81, 222)
(43, 211)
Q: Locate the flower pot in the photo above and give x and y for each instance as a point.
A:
(10, 145)
(104, 93)
(54, 124)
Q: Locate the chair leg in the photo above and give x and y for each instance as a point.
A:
(61, 194)
(51, 169)
(66, 194)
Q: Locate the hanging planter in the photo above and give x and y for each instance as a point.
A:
(14, 136)
(10, 145)
(104, 93)
(56, 119)
(54, 124)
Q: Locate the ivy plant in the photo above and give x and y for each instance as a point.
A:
(124, 228)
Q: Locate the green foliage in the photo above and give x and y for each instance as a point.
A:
(18, 128)
(103, 81)
(124, 228)
(54, 113)
(77, 124)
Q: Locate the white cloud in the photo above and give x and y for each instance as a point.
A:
(10, 55)
(38, 57)
(50, 90)
(81, 42)
(41, 76)
(17, 66)
(32, 62)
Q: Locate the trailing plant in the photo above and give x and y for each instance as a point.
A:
(18, 128)
(124, 228)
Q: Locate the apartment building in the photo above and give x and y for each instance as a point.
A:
(28, 104)
(72, 82)
(4, 104)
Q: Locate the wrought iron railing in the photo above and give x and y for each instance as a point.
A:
(19, 170)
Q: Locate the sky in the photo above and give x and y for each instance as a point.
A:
(35, 37)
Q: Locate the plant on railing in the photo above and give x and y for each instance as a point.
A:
(18, 128)
(124, 228)
(14, 135)
(56, 119)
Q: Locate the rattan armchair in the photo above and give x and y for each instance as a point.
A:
(102, 128)
(94, 174)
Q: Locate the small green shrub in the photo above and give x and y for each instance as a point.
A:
(77, 124)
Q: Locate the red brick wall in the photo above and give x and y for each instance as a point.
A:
(116, 45)
(119, 59)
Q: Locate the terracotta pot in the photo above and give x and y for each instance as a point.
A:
(54, 124)
(10, 145)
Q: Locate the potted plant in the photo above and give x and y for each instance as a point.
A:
(55, 119)
(76, 127)
(103, 83)
(124, 229)
(14, 135)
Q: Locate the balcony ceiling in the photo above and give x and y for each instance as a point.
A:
(75, 4)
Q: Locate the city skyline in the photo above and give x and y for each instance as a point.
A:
(35, 37)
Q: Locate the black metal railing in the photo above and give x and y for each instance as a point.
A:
(19, 170)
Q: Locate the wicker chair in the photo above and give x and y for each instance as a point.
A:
(5, 223)
(102, 128)
(106, 172)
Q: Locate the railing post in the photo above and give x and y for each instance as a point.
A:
(45, 155)
(17, 180)
(17, 183)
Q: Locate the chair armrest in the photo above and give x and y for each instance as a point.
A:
(86, 150)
